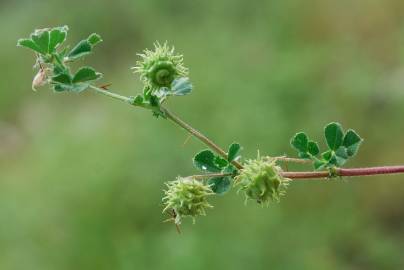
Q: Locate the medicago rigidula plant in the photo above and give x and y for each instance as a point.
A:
(164, 75)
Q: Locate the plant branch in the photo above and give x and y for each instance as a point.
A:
(175, 119)
(110, 94)
(198, 135)
(210, 175)
(346, 172)
(293, 160)
(292, 175)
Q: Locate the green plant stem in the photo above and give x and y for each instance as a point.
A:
(198, 135)
(110, 94)
(292, 175)
(345, 172)
(293, 160)
(204, 176)
(175, 119)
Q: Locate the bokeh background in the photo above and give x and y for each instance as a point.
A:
(81, 176)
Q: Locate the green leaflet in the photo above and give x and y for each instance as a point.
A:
(220, 185)
(334, 135)
(300, 142)
(181, 87)
(94, 39)
(209, 162)
(57, 37)
(313, 148)
(352, 141)
(41, 39)
(234, 152)
(30, 44)
(86, 74)
(205, 161)
(84, 47)
(63, 78)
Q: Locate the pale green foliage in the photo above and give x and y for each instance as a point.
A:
(186, 197)
(53, 62)
(261, 180)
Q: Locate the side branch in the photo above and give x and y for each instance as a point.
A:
(198, 135)
(211, 175)
(345, 172)
(175, 119)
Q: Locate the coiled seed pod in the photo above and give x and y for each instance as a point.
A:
(186, 197)
(261, 180)
(160, 67)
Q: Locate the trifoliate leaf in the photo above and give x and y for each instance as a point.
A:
(234, 152)
(220, 185)
(86, 74)
(352, 141)
(300, 142)
(313, 148)
(181, 86)
(334, 135)
(205, 161)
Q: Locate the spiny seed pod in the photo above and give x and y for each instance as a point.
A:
(160, 67)
(186, 197)
(261, 180)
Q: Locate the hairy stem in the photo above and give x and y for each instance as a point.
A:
(292, 175)
(175, 119)
(198, 135)
(210, 175)
(110, 94)
(346, 172)
(293, 160)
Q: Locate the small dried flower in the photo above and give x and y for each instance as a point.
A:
(39, 79)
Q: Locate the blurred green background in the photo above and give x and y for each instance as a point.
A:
(81, 176)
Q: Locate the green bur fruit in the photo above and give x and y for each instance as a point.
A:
(159, 68)
(187, 197)
(261, 180)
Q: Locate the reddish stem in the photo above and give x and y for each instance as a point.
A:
(346, 172)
